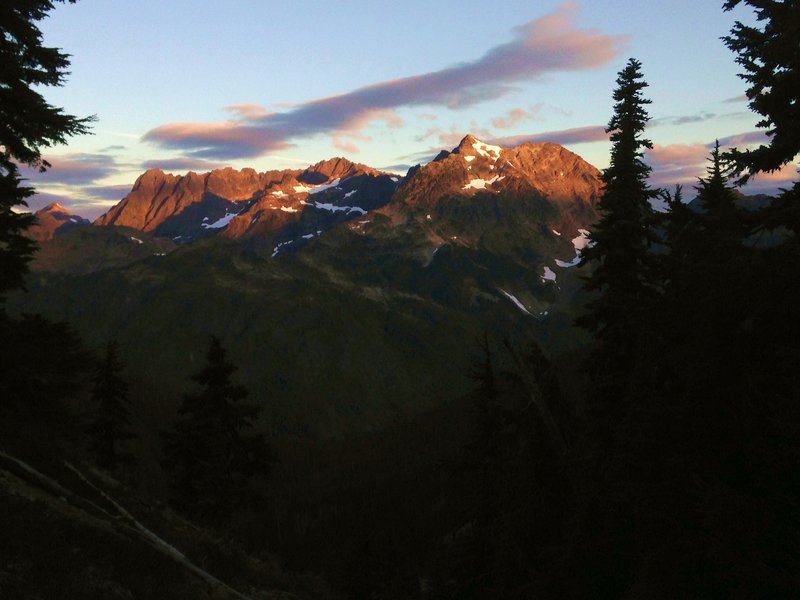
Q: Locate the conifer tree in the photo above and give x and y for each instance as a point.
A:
(619, 249)
(771, 63)
(209, 453)
(28, 123)
(111, 429)
(768, 53)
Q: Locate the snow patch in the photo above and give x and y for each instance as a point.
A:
(348, 194)
(469, 158)
(549, 275)
(516, 302)
(480, 184)
(279, 193)
(301, 188)
(334, 209)
(322, 188)
(487, 150)
(579, 243)
(277, 248)
(289, 209)
(220, 223)
(137, 240)
(558, 233)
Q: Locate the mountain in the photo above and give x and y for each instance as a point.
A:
(348, 325)
(245, 203)
(748, 202)
(54, 220)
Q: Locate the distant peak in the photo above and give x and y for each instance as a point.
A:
(55, 207)
(472, 146)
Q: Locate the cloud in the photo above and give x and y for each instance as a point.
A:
(677, 163)
(345, 145)
(740, 140)
(247, 112)
(109, 192)
(182, 164)
(545, 45)
(74, 169)
(736, 99)
(682, 120)
(400, 168)
(514, 117)
(685, 163)
(576, 135)
(86, 206)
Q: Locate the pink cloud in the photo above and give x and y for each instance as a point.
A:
(686, 163)
(512, 118)
(247, 112)
(345, 145)
(785, 175)
(548, 44)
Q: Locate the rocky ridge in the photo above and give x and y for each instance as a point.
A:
(244, 203)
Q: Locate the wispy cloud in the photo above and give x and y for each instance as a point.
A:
(545, 45)
(740, 140)
(515, 116)
(182, 164)
(576, 135)
(736, 99)
(682, 120)
(79, 202)
(74, 169)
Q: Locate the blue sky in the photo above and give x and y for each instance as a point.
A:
(196, 85)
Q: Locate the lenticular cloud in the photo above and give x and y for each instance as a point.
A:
(548, 44)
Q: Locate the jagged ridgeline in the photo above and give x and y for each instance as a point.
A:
(347, 296)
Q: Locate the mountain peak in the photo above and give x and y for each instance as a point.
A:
(54, 207)
(52, 220)
(472, 146)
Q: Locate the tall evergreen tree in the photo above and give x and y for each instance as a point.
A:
(210, 455)
(771, 65)
(28, 123)
(768, 53)
(619, 249)
(111, 428)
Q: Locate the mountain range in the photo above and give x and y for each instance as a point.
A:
(349, 297)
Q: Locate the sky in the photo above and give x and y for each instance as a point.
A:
(196, 85)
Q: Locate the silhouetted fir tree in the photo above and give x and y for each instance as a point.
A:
(768, 53)
(27, 124)
(41, 365)
(622, 276)
(770, 60)
(111, 427)
(208, 452)
(761, 429)
(16, 249)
